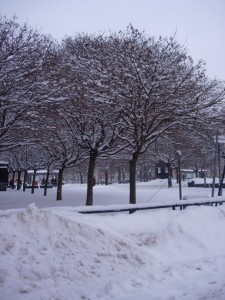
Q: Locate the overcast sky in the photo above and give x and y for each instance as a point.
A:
(199, 24)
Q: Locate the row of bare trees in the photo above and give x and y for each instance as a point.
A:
(100, 97)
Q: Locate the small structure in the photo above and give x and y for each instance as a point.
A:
(3, 175)
(40, 178)
(187, 174)
(161, 170)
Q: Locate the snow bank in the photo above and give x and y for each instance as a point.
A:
(60, 254)
(52, 255)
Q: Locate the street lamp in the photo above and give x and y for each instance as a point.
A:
(218, 140)
(220, 192)
(178, 158)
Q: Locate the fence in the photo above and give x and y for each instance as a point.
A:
(133, 207)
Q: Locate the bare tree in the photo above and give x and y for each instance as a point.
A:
(156, 86)
(88, 107)
(59, 141)
(23, 52)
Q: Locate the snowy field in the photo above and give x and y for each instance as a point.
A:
(49, 251)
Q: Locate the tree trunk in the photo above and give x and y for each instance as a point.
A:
(221, 183)
(141, 173)
(24, 180)
(13, 180)
(132, 169)
(59, 184)
(18, 180)
(106, 177)
(91, 168)
(123, 175)
(46, 183)
(169, 176)
(33, 181)
(81, 178)
(119, 174)
(169, 181)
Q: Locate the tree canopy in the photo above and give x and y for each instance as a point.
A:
(100, 96)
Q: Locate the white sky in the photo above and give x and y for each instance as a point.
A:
(200, 24)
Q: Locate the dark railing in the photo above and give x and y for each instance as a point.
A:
(134, 207)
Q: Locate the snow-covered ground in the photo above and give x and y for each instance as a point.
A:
(49, 251)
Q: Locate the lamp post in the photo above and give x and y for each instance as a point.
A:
(204, 172)
(220, 192)
(178, 158)
(214, 167)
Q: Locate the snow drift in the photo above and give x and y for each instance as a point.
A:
(60, 254)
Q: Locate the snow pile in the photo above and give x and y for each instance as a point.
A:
(43, 251)
(60, 254)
